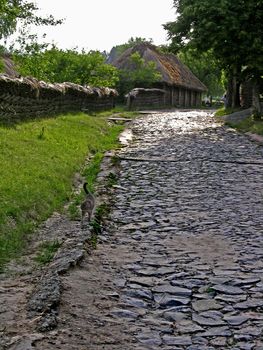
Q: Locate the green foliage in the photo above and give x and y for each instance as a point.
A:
(47, 252)
(55, 65)
(140, 74)
(225, 111)
(231, 30)
(102, 211)
(2, 52)
(1, 65)
(96, 223)
(251, 124)
(205, 67)
(36, 173)
(22, 12)
(112, 179)
(90, 173)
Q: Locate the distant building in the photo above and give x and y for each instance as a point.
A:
(181, 87)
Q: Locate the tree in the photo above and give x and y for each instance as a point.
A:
(24, 12)
(140, 74)
(233, 32)
(55, 66)
(205, 67)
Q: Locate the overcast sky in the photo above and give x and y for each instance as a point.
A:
(102, 24)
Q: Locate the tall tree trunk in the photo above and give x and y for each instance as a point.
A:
(255, 99)
(229, 92)
(237, 95)
(233, 90)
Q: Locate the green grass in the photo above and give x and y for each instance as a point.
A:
(225, 111)
(251, 124)
(111, 179)
(38, 160)
(47, 252)
(102, 211)
(90, 173)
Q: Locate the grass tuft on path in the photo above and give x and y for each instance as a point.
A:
(38, 161)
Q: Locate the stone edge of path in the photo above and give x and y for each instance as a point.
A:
(239, 116)
(43, 303)
(255, 137)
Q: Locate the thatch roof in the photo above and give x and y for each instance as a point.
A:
(172, 70)
(9, 66)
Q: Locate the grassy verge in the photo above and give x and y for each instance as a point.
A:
(253, 124)
(250, 124)
(225, 111)
(38, 160)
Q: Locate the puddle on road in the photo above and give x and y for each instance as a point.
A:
(126, 137)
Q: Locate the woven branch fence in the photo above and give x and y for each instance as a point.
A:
(27, 98)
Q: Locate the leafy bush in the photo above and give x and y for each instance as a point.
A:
(1, 66)
(141, 74)
(55, 65)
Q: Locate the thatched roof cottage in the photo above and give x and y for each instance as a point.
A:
(182, 88)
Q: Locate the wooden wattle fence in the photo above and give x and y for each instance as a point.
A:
(28, 98)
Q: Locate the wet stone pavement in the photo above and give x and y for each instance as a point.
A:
(181, 264)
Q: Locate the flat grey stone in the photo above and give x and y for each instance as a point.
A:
(231, 298)
(236, 320)
(241, 337)
(202, 347)
(251, 331)
(205, 321)
(139, 293)
(149, 272)
(220, 280)
(244, 282)
(199, 340)
(177, 275)
(212, 314)
(143, 281)
(134, 302)
(181, 308)
(166, 300)
(216, 332)
(226, 289)
(174, 316)
(219, 341)
(149, 338)
(167, 288)
(187, 327)
(177, 340)
(228, 308)
(137, 237)
(245, 345)
(249, 304)
(122, 313)
(114, 295)
(204, 305)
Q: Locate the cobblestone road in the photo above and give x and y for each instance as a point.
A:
(181, 266)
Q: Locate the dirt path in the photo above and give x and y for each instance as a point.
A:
(179, 265)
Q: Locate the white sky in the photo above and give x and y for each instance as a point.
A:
(102, 24)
